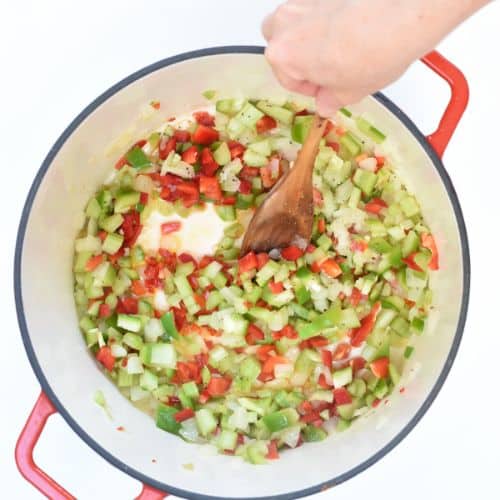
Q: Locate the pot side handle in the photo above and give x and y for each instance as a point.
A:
(456, 105)
(26, 443)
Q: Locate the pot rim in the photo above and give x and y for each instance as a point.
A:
(236, 49)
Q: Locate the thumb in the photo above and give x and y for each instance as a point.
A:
(327, 102)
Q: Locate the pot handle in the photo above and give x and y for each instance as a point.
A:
(26, 443)
(456, 105)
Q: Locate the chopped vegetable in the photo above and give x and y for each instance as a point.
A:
(253, 353)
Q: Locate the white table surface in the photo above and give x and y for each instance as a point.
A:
(56, 56)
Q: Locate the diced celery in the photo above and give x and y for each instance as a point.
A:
(311, 433)
(111, 223)
(342, 377)
(148, 381)
(249, 115)
(300, 128)
(365, 180)
(93, 209)
(125, 200)
(112, 243)
(372, 132)
(205, 421)
(401, 326)
(159, 354)
(129, 322)
(133, 340)
(351, 143)
(279, 113)
(409, 206)
(410, 243)
(222, 155)
(226, 212)
(254, 159)
(191, 390)
(227, 440)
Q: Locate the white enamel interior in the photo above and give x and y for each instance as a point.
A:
(82, 164)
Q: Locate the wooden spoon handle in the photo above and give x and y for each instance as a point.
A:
(307, 154)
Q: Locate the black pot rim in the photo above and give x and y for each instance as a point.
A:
(237, 49)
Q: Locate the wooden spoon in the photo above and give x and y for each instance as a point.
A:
(286, 215)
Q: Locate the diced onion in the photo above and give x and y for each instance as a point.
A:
(153, 330)
(118, 351)
(283, 370)
(136, 393)
(134, 365)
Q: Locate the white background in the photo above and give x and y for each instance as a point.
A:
(57, 56)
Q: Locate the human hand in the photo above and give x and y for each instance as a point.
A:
(342, 50)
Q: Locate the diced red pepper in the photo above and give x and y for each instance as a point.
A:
(205, 260)
(375, 205)
(317, 197)
(380, 367)
(228, 200)
(410, 262)
(427, 241)
(245, 187)
(329, 127)
(248, 173)
(263, 352)
(276, 287)
(94, 262)
(322, 382)
(204, 118)
(179, 317)
(380, 161)
(166, 146)
(127, 305)
(121, 163)
(182, 135)
(334, 145)
(272, 450)
(355, 297)
(289, 332)
(291, 253)
(185, 257)
(143, 200)
(265, 123)
(131, 227)
(205, 135)
(267, 372)
(326, 357)
(357, 363)
(254, 334)
(138, 288)
(105, 357)
(208, 164)
(210, 187)
(262, 260)
(218, 386)
(171, 227)
(341, 396)
(341, 351)
(236, 149)
(184, 414)
(330, 267)
(190, 155)
(318, 341)
(321, 225)
(367, 323)
(104, 311)
(247, 262)
(359, 245)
